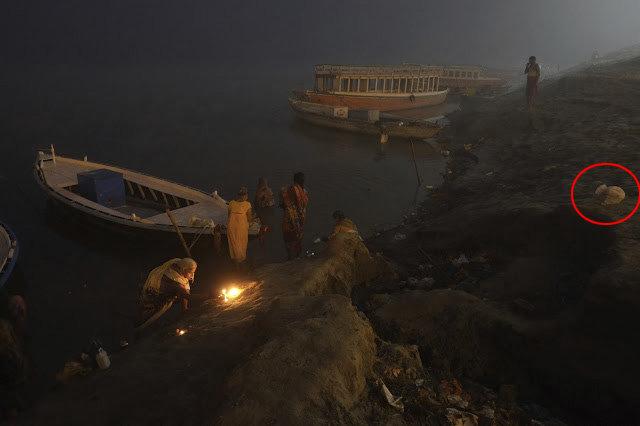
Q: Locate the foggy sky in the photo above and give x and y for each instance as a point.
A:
(300, 32)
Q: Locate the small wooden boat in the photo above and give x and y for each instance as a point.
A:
(368, 122)
(382, 88)
(8, 253)
(130, 199)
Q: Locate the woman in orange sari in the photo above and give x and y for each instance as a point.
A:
(238, 226)
(294, 202)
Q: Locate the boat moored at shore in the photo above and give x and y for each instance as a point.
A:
(471, 80)
(383, 88)
(131, 200)
(368, 122)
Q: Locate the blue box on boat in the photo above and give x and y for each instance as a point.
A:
(102, 186)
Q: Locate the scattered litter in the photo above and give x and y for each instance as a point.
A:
(488, 412)
(419, 382)
(392, 400)
(550, 167)
(523, 306)
(460, 260)
(102, 359)
(452, 392)
(124, 344)
(400, 236)
(488, 173)
(427, 282)
(479, 259)
(72, 369)
(461, 418)
(309, 253)
(445, 152)
(468, 146)
(317, 240)
(429, 187)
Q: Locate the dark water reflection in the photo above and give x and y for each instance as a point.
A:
(207, 128)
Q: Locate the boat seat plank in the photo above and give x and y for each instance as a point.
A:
(204, 210)
(95, 206)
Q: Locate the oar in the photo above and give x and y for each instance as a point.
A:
(175, 225)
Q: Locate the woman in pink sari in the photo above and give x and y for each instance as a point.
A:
(294, 200)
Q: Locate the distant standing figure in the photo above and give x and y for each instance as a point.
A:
(238, 226)
(532, 70)
(264, 194)
(294, 203)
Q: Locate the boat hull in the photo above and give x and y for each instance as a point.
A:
(10, 257)
(407, 131)
(107, 216)
(381, 103)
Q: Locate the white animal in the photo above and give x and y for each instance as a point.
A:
(610, 194)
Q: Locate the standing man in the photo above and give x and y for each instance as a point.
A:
(294, 200)
(532, 70)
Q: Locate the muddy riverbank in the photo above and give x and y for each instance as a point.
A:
(539, 298)
(494, 294)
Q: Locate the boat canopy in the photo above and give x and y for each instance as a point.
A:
(378, 78)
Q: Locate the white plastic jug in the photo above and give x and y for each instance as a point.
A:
(102, 359)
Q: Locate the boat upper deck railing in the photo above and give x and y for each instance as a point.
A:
(375, 70)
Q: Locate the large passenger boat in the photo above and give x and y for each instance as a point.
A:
(383, 88)
(471, 79)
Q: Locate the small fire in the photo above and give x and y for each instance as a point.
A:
(180, 331)
(231, 293)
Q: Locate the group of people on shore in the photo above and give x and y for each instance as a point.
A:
(293, 200)
(170, 282)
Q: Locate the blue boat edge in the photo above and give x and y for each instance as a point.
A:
(5, 273)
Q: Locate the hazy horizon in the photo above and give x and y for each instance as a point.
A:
(494, 32)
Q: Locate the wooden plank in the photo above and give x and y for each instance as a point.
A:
(130, 187)
(175, 200)
(207, 210)
(142, 194)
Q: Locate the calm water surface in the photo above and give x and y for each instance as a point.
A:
(206, 128)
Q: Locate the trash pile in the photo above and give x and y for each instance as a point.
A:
(422, 397)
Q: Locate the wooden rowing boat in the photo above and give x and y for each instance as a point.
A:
(146, 198)
(8, 253)
(339, 119)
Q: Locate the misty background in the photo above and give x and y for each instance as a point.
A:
(272, 33)
(196, 91)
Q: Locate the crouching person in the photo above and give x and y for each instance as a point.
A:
(166, 284)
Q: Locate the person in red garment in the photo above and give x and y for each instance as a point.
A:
(294, 200)
(532, 70)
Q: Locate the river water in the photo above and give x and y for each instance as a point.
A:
(204, 127)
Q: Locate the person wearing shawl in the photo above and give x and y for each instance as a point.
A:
(342, 225)
(264, 194)
(238, 226)
(166, 284)
(294, 200)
